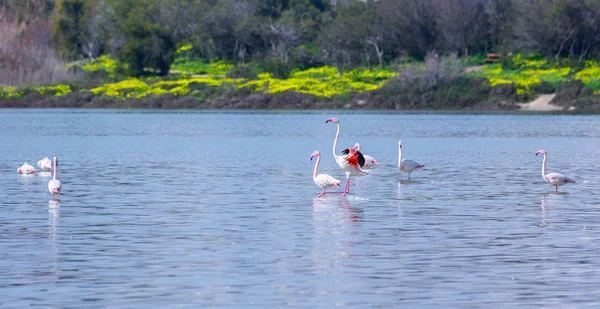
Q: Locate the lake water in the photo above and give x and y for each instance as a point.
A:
(195, 209)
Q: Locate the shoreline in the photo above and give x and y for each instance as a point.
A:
(309, 109)
(290, 101)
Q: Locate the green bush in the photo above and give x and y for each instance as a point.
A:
(246, 71)
(277, 68)
(198, 66)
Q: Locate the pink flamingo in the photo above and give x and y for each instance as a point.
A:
(323, 181)
(555, 179)
(54, 184)
(45, 164)
(26, 169)
(407, 165)
(350, 162)
(370, 162)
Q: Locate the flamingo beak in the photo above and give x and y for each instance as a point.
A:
(312, 156)
(537, 153)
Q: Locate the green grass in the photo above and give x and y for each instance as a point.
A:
(527, 74)
(202, 67)
(524, 74)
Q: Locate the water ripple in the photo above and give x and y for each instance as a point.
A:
(217, 209)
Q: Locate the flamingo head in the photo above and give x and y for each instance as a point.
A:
(314, 154)
(356, 147)
(400, 144)
(540, 152)
(334, 120)
(56, 161)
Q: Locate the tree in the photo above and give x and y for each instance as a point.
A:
(502, 17)
(412, 24)
(149, 40)
(560, 27)
(27, 10)
(463, 25)
(26, 53)
(343, 40)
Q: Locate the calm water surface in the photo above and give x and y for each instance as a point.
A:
(217, 210)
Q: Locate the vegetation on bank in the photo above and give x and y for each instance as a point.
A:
(320, 82)
(416, 84)
(383, 54)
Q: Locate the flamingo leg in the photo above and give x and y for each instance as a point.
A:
(556, 188)
(408, 176)
(347, 188)
(322, 193)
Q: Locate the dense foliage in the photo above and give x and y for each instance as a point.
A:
(321, 48)
(340, 33)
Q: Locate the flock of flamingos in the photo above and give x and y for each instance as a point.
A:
(46, 168)
(354, 163)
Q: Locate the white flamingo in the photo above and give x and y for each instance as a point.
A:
(370, 162)
(350, 162)
(45, 164)
(407, 165)
(555, 179)
(323, 181)
(54, 184)
(26, 169)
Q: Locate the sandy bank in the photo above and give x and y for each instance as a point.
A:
(542, 104)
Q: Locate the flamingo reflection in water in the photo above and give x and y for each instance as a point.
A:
(334, 206)
(53, 216)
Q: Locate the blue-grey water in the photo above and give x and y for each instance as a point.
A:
(194, 209)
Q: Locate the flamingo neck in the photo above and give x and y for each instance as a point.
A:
(544, 166)
(337, 135)
(399, 156)
(317, 166)
(55, 170)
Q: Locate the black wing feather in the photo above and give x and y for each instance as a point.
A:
(361, 159)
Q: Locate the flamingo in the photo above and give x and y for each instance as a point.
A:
(54, 184)
(369, 161)
(26, 169)
(323, 181)
(555, 179)
(45, 164)
(407, 165)
(350, 162)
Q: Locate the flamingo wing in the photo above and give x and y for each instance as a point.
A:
(369, 161)
(360, 158)
(26, 169)
(325, 181)
(409, 165)
(558, 179)
(349, 163)
(354, 157)
(45, 164)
